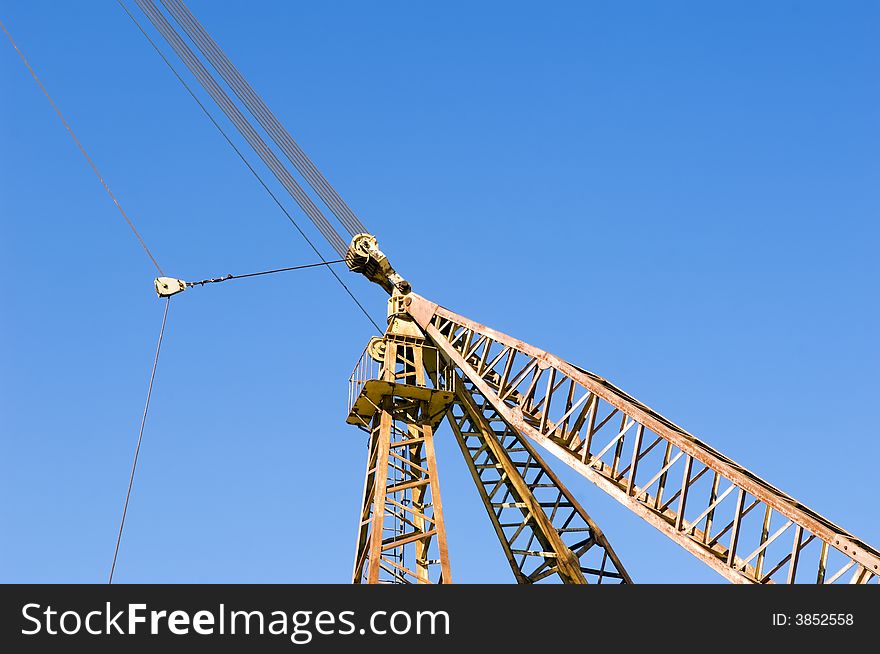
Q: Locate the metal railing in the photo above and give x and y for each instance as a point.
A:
(368, 368)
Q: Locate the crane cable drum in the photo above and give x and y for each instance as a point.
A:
(255, 105)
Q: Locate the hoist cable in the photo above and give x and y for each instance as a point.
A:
(247, 163)
(83, 150)
(233, 113)
(137, 449)
(264, 272)
(258, 108)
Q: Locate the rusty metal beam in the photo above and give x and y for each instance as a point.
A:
(500, 459)
(402, 534)
(515, 400)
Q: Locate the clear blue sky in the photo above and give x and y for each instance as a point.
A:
(680, 197)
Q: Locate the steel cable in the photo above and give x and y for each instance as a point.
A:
(232, 112)
(217, 280)
(258, 108)
(83, 150)
(137, 449)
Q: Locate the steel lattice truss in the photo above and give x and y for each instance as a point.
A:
(722, 513)
(543, 529)
(401, 511)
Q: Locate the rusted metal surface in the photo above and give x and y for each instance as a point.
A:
(365, 257)
(402, 534)
(543, 529)
(722, 513)
(366, 387)
(698, 497)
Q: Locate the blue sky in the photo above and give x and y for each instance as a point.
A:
(681, 197)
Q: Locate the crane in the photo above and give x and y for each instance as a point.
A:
(502, 398)
(511, 408)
